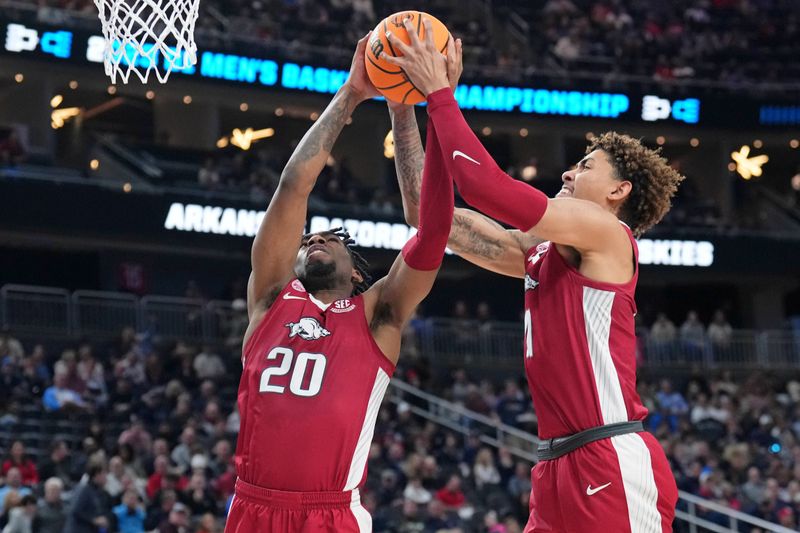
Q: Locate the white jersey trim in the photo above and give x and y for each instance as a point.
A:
(361, 452)
(597, 305)
(362, 516)
(319, 303)
(641, 491)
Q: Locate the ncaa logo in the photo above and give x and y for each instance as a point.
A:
(298, 286)
(655, 108)
(342, 306)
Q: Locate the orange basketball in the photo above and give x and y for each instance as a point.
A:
(389, 79)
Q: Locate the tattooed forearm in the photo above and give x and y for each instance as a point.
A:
(314, 148)
(466, 239)
(409, 156)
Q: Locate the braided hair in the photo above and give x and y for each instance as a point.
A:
(359, 263)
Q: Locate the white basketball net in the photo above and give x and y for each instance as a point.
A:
(148, 35)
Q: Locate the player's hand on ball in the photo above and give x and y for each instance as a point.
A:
(358, 80)
(455, 64)
(424, 65)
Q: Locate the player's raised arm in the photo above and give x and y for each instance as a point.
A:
(412, 275)
(275, 247)
(473, 236)
(481, 183)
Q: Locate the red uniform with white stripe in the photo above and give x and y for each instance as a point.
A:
(312, 384)
(580, 361)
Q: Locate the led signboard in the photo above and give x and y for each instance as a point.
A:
(76, 46)
(218, 220)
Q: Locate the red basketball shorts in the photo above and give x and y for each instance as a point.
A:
(259, 510)
(623, 484)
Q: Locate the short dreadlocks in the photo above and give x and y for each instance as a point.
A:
(654, 181)
(359, 263)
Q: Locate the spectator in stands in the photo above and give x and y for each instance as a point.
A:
(60, 397)
(787, 518)
(136, 436)
(14, 486)
(719, 331)
(116, 478)
(58, 465)
(407, 519)
(177, 521)
(520, 482)
(68, 366)
(485, 472)
(130, 514)
(511, 404)
(416, 492)
(10, 346)
(438, 519)
(451, 494)
(208, 365)
(222, 459)
(91, 372)
(693, 335)
(160, 508)
(26, 466)
(89, 510)
(671, 407)
(20, 518)
(754, 489)
(156, 479)
(703, 409)
(663, 332)
(182, 453)
(50, 516)
(38, 364)
(198, 496)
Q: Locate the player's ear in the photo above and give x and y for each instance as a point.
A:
(621, 190)
(356, 277)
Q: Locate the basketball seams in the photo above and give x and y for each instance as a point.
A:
(389, 42)
(377, 66)
(412, 89)
(396, 85)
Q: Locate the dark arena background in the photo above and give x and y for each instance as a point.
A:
(127, 213)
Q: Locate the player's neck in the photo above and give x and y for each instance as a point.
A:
(327, 296)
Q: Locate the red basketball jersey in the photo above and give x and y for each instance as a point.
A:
(312, 384)
(580, 345)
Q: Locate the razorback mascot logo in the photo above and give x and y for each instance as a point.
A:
(307, 328)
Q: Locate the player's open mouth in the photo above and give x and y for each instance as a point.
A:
(315, 249)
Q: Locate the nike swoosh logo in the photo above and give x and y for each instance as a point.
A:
(457, 153)
(288, 296)
(591, 492)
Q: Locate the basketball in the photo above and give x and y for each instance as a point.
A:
(389, 79)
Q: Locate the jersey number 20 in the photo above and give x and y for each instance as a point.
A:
(298, 370)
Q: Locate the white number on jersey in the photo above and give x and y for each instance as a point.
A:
(528, 334)
(298, 371)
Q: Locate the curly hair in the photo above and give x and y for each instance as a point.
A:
(654, 180)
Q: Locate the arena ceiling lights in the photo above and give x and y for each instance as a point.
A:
(746, 166)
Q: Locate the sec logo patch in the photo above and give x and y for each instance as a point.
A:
(343, 306)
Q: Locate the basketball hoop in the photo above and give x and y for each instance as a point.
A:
(148, 35)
